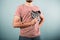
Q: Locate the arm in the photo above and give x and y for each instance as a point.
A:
(18, 24)
(42, 20)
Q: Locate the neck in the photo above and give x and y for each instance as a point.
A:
(28, 4)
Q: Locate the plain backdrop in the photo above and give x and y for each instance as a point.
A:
(50, 9)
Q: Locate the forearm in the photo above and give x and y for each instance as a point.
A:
(41, 22)
(23, 25)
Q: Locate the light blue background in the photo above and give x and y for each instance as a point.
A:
(50, 29)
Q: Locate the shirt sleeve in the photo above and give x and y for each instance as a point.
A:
(38, 9)
(18, 12)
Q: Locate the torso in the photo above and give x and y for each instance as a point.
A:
(31, 31)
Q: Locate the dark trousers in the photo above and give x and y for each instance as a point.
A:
(25, 38)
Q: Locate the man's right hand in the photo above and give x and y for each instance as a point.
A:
(34, 21)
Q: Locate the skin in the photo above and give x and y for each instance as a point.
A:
(18, 24)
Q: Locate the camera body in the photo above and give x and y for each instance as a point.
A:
(36, 14)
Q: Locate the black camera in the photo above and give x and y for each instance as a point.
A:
(36, 14)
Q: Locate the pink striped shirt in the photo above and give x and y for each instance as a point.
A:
(24, 11)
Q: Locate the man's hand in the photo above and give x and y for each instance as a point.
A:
(31, 22)
(34, 21)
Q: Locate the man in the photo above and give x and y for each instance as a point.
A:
(29, 28)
